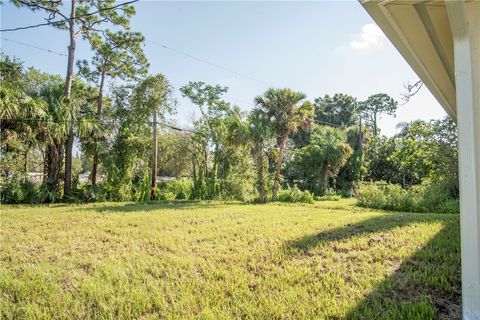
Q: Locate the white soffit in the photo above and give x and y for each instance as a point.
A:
(420, 30)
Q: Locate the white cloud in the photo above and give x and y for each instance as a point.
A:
(372, 37)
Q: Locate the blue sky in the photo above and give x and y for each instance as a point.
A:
(319, 48)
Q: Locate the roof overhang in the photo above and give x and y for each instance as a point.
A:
(420, 30)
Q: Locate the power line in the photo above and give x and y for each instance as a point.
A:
(210, 63)
(153, 42)
(175, 85)
(136, 122)
(91, 120)
(35, 47)
(168, 48)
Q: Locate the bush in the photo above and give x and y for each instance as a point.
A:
(18, 190)
(431, 196)
(177, 189)
(236, 187)
(89, 193)
(449, 206)
(294, 195)
(427, 197)
(371, 196)
(181, 196)
(330, 195)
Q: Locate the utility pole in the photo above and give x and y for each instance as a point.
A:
(153, 190)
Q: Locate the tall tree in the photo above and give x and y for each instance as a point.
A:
(340, 110)
(83, 17)
(154, 96)
(116, 55)
(254, 133)
(287, 115)
(375, 106)
(314, 165)
(63, 118)
(210, 131)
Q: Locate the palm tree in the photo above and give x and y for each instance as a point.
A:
(18, 115)
(321, 160)
(253, 133)
(63, 117)
(335, 152)
(286, 116)
(54, 131)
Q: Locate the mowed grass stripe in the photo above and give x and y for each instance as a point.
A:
(329, 260)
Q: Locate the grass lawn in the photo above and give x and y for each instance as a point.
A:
(329, 260)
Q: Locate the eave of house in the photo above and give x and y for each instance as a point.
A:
(420, 30)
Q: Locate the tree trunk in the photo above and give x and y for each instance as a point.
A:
(67, 190)
(100, 95)
(195, 182)
(99, 115)
(53, 158)
(323, 180)
(278, 167)
(360, 134)
(205, 154)
(45, 166)
(94, 168)
(25, 162)
(213, 176)
(153, 192)
(262, 193)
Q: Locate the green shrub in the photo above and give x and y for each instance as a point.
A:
(236, 187)
(330, 195)
(432, 196)
(449, 206)
(18, 190)
(397, 198)
(371, 196)
(427, 197)
(294, 195)
(89, 193)
(177, 189)
(181, 196)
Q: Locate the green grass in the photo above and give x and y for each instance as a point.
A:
(329, 260)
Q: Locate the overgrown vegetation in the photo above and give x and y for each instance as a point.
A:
(426, 197)
(330, 260)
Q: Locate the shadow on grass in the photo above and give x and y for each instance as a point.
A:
(427, 285)
(373, 225)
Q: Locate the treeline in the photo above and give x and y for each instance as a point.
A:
(286, 149)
